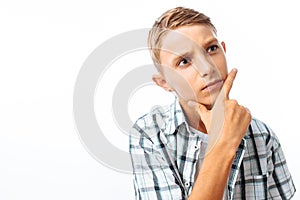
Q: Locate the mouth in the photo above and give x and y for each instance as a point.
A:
(213, 86)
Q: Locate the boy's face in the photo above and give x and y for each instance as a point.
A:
(193, 64)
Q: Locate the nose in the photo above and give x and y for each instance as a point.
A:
(203, 65)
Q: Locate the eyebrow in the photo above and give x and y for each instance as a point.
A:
(206, 43)
(178, 57)
(210, 41)
(186, 53)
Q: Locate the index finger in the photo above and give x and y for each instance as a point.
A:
(229, 82)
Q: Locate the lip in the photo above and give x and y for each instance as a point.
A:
(212, 86)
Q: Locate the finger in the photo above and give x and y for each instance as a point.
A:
(229, 82)
(248, 110)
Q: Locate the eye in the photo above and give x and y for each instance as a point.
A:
(184, 62)
(212, 49)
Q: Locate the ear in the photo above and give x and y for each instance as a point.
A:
(224, 46)
(160, 80)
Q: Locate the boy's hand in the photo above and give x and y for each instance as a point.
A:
(227, 121)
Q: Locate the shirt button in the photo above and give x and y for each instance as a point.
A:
(187, 184)
(196, 147)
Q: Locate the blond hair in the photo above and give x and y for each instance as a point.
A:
(171, 20)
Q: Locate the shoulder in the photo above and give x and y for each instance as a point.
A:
(147, 133)
(155, 121)
(261, 134)
(259, 126)
(264, 162)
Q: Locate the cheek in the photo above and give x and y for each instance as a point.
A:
(182, 83)
(221, 67)
(185, 89)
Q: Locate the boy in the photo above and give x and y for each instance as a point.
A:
(204, 145)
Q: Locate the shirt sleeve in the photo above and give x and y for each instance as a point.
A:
(280, 183)
(153, 177)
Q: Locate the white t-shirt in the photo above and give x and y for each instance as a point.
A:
(203, 146)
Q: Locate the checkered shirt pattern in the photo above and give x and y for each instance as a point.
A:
(164, 158)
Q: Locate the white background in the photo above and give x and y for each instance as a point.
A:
(43, 45)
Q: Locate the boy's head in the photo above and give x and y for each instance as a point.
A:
(190, 59)
(171, 20)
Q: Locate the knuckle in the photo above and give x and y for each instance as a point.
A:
(249, 117)
(234, 101)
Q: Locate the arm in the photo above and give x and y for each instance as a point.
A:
(212, 178)
(226, 132)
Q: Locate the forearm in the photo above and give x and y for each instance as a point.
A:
(212, 178)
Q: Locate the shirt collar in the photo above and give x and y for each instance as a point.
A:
(176, 118)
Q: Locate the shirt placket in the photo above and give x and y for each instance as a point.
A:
(190, 168)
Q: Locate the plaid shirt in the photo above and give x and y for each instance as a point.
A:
(164, 154)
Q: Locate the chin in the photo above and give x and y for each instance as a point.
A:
(208, 102)
(209, 106)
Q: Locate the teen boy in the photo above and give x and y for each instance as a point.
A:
(204, 145)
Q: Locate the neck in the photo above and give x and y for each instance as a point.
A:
(192, 117)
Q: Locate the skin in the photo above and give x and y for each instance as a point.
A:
(192, 58)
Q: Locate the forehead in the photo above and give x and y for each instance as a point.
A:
(187, 38)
